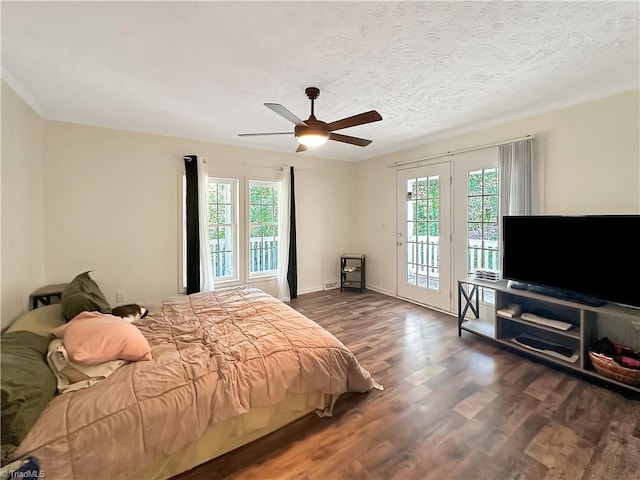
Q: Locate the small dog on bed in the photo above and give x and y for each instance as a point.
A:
(131, 312)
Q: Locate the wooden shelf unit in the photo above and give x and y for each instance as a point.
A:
(502, 329)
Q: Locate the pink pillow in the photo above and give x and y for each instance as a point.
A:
(91, 338)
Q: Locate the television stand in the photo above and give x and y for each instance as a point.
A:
(560, 331)
(569, 296)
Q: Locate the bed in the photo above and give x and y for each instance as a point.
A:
(227, 367)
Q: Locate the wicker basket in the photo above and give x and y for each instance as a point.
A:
(607, 367)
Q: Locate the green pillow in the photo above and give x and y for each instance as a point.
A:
(28, 384)
(83, 295)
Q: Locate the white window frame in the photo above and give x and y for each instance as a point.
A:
(477, 160)
(235, 253)
(242, 231)
(265, 274)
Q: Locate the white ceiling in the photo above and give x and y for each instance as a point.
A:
(202, 70)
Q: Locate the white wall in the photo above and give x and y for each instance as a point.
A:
(22, 250)
(589, 159)
(112, 206)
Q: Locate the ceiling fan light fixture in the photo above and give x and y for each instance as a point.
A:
(312, 137)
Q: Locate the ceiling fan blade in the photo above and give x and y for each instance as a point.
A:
(257, 134)
(283, 112)
(361, 142)
(360, 119)
(301, 148)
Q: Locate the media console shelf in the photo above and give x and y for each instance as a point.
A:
(519, 320)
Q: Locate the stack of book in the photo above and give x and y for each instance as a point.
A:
(487, 274)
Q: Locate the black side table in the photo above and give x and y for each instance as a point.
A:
(45, 294)
(352, 272)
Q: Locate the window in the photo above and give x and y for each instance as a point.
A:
(263, 228)
(243, 229)
(223, 227)
(482, 217)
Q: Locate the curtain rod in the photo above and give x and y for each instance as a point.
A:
(455, 152)
(280, 168)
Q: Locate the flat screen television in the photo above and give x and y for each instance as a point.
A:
(590, 259)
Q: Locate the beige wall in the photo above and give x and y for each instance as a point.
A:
(112, 206)
(589, 161)
(22, 203)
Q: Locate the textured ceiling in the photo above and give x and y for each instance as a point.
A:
(202, 70)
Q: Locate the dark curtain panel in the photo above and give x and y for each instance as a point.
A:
(292, 272)
(193, 235)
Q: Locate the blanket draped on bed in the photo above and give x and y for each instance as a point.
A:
(215, 356)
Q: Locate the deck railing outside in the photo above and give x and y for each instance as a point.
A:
(263, 256)
(423, 269)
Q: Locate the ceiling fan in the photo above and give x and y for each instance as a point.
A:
(313, 132)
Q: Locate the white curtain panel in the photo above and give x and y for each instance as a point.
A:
(284, 207)
(516, 166)
(206, 274)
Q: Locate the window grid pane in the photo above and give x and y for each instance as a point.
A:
(482, 221)
(222, 227)
(423, 236)
(263, 227)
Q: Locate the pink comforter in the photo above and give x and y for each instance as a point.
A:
(215, 356)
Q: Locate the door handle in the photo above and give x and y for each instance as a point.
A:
(398, 243)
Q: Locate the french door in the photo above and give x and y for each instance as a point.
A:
(424, 235)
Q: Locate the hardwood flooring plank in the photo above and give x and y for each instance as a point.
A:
(587, 410)
(439, 462)
(556, 397)
(572, 461)
(616, 459)
(617, 454)
(544, 385)
(485, 438)
(552, 444)
(353, 471)
(473, 404)
(511, 460)
(505, 416)
(477, 466)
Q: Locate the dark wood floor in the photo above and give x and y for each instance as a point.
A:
(452, 408)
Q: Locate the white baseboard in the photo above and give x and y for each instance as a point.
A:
(368, 287)
(310, 290)
(378, 290)
(383, 291)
